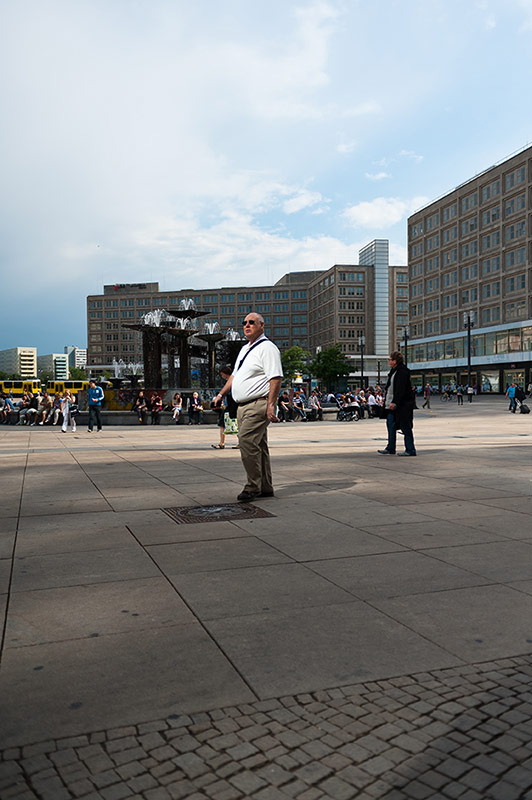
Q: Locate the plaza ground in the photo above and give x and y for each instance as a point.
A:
(370, 639)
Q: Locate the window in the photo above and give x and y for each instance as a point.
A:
(432, 263)
(491, 265)
(402, 277)
(449, 300)
(449, 278)
(515, 283)
(416, 250)
(491, 190)
(401, 305)
(227, 309)
(432, 284)
(245, 296)
(209, 298)
(299, 306)
(415, 269)
(262, 307)
(469, 202)
(280, 306)
(491, 290)
(514, 178)
(515, 310)
(264, 295)
(491, 215)
(470, 295)
(432, 222)
(450, 323)
(450, 234)
(227, 298)
(469, 225)
(299, 294)
(111, 303)
(281, 319)
(450, 212)
(416, 229)
(491, 314)
(450, 256)
(470, 272)
(402, 291)
(280, 295)
(111, 315)
(491, 240)
(515, 257)
(515, 231)
(469, 249)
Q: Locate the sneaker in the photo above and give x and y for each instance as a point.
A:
(407, 454)
(41, 423)
(89, 430)
(267, 494)
(385, 453)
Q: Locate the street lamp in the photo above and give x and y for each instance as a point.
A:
(361, 345)
(406, 334)
(469, 322)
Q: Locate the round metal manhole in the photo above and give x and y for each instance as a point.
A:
(216, 513)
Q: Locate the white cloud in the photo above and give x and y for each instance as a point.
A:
(382, 212)
(303, 199)
(377, 176)
(346, 147)
(526, 7)
(412, 155)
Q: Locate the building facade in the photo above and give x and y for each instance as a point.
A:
(19, 361)
(77, 356)
(309, 309)
(469, 256)
(55, 364)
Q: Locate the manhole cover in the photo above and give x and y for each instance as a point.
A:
(216, 513)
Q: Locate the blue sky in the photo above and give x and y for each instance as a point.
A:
(226, 143)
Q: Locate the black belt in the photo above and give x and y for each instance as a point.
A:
(247, 402)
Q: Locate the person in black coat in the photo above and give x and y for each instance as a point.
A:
(399, 406)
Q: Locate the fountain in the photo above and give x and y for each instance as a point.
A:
(211, 334)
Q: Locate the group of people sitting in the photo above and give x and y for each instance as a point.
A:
(154, 406)
(365, 402)
(39, 409)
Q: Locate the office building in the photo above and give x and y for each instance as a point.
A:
(77, 356)
(469, 255)
(313, 310)
(19, 361)
(55, 364)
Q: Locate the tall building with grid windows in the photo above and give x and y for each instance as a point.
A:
(313, 310)
(469, 256)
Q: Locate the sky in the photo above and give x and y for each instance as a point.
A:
(204, 144)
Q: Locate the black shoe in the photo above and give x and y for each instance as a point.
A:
(407, 454)
(266, 494)
(247, 497)
(385, 453)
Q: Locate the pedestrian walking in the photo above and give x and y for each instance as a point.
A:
(255, 385)
(460, 395)
(426, 395)
(470, 392)
(227, 413)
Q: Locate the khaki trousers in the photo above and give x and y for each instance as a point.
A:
(253, 439)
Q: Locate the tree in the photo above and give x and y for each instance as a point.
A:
(46, 377)
(294, 360)
(330, 364)
(77, 374)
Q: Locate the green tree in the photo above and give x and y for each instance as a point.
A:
(77, 374)
(46, 377)
(330, 365)
(294, 360)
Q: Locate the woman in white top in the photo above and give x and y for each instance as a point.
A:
(68, 410)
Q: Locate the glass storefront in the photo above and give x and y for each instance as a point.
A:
(489, 381)
(511, 375)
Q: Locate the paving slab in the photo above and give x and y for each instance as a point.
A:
(77, 612)
(71, 569)
(175, 559)
(477, 624)
(234, 592)
(335, 541)
(102, 682)
(392, 574)
(434, 533)
(497, 561)
(5, 574)
(8, 528)
(287, 652)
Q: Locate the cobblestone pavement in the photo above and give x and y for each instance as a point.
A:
(455, 733)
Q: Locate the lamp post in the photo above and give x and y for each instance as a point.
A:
(406, 334)
(361, 345)
(469, 322)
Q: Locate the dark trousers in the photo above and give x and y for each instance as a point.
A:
(95, 415)
(391, 424)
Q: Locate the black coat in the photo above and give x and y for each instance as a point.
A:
(403, 395)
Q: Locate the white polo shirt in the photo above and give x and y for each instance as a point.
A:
(253, 378)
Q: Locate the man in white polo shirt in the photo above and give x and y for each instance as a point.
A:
(255, 385)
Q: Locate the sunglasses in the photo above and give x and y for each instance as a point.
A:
(248, 322)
